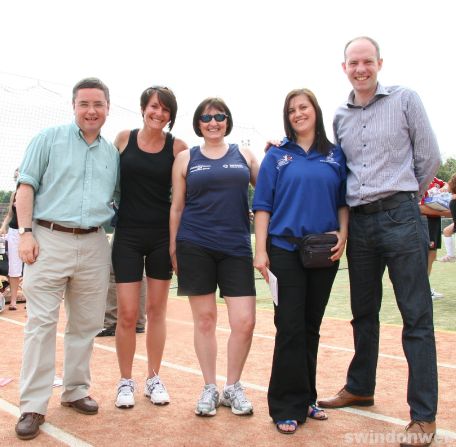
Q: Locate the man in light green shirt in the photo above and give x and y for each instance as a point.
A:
(66, 186)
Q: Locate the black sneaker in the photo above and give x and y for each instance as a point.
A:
(109, 331)
(140, 330)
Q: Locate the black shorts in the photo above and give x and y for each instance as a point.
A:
(200, 270)
(136, 249)
(435, 232)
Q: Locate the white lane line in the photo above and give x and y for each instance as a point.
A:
(182, 368)
(48, 428)
(379, 417)
(322, 345)
(368, 414)
(270, 337)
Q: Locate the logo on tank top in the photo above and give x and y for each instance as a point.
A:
(233, 166)
(197, 168)
(286, 159)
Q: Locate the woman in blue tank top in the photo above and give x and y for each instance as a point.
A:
(210, 247)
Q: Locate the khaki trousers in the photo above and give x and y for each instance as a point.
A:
(76, 268)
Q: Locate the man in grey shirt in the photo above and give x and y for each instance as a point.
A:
(392, 155)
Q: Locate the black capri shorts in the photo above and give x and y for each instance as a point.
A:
(201, 270)
(435, 232)
(137, 249)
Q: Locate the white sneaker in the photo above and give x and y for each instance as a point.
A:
(208, 402)
(447, 258)
(125, 397)
(436, 295)
(234, 397)
(156, 390)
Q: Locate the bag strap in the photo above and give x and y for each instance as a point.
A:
(294, 240)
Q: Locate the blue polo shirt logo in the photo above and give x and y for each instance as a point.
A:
(330, 158)
(284, 161)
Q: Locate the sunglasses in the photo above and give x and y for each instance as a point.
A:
(219, 117)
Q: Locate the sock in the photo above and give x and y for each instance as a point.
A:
(448, 240)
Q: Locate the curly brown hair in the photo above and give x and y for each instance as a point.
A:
(452, 184)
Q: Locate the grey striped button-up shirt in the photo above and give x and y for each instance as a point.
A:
(389, 145)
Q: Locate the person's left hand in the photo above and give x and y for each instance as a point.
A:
(339, 248)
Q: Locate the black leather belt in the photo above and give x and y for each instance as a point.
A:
(56, 227)
(388, 203)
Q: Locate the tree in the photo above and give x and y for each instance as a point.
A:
(447, 169)
(5, 196)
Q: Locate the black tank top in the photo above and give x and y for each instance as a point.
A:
(145, 185)
(13, 222)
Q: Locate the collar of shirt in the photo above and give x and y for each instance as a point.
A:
(292, 146)
(379, 93)
(78, 132)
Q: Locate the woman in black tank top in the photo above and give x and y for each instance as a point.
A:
(141, 241)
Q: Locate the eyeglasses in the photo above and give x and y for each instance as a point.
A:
(219, 117)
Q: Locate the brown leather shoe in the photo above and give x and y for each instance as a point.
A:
(86, 405)
(345, 399)
(418, 434)
(28, 425)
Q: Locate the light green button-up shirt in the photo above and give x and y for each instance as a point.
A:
(74, 182)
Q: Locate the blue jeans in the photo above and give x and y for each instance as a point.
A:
(398, 239)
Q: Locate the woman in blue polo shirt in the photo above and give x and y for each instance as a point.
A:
(300, 190)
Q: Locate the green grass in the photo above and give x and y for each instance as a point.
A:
(442, 278)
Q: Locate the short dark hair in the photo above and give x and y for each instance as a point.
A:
(321, 142)
(372, 41)
(452, 184)
(91, 83)
(218, 104)
(165, 97)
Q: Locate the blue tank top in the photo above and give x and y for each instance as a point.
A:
(216, 212)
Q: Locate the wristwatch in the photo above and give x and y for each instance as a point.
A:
(23, 230)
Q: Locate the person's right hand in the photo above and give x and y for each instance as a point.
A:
(172, 255)
(270, 143)
(28, 248)
(3, 231)
(261, 263)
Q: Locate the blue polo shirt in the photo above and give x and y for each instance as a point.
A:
(302, 191)
(74, 182)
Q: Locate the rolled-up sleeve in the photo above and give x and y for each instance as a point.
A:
(35, 162)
